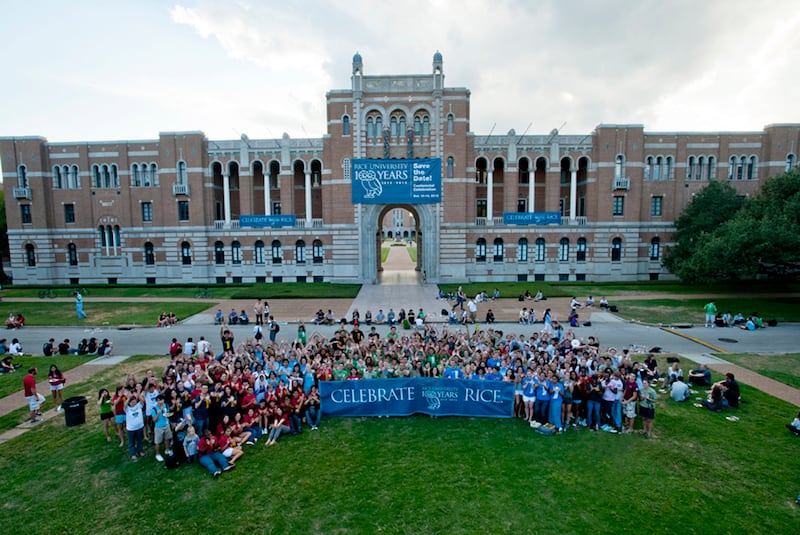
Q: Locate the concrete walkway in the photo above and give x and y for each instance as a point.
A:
(74, 375)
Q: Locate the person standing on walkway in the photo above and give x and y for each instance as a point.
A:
(79, 305)
(711, 313)
(31, 395)
(56, 379)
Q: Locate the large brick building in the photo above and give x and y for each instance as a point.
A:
(173, 209)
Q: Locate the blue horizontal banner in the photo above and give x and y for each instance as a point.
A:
(397, 181)
(404, 397)
(531, 218)
(272, 221)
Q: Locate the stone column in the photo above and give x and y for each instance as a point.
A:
(489, 197)
(573, 194)
(226, 192)
(308, 198)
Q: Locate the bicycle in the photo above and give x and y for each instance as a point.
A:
(82, 291)
(49, 293)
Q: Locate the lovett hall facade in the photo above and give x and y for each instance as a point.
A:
(183, 208)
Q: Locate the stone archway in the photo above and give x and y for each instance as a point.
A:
(427, 239)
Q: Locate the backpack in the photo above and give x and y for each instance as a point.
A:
(47, 349)
(276, 326)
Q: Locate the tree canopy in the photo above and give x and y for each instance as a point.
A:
(722, 237)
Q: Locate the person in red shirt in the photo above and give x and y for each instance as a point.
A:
(31, 395)
(210, 457)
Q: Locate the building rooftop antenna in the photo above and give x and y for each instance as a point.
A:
(525, 132)
(490, 133)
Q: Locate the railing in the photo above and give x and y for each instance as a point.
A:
(220, 224)
(22, 193)
(621, 183)
(579, 221)
(180, 189)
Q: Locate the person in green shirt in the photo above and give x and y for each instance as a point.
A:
(711, 313)
(647, 407)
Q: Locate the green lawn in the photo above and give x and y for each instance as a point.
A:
(384, 254)
(412, 252)
(783, 368)
(422, 475)
(672, 311)
(101, 313)
(12, 382)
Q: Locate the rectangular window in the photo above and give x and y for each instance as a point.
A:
(69, 213)
(656, 206)
(481, 207)
(147, 212)
(25, 213)
(619, 205)
(183, 210)
(276, 208)
(522, 205)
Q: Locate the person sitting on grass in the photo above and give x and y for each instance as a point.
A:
(794, 427)
(219, 317)
(714, 400)
(700, 376)
(679, 391)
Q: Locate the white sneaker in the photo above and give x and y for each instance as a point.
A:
(60, 409)
(159, 458)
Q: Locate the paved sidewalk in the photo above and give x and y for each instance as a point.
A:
(74, 375)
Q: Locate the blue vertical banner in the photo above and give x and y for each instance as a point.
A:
(404, 397)
(417, 181)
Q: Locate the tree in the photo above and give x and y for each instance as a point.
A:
(704, 214)
(760, 239)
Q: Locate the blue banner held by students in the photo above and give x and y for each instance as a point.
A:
(404, 397)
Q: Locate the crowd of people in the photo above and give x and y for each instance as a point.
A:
(715, 318)
(210, 405)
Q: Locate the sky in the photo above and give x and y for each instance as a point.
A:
(93, 70)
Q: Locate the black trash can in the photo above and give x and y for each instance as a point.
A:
(74, 410)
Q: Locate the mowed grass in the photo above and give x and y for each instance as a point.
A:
(784, 368)
(676, 311)
(48, 312)
(421, 475)
(11, 383)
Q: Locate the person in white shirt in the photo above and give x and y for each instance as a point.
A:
(680, 390)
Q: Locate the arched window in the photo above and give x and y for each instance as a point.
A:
(712, 168)
(154, 174)
(182, 179)
(300, 252)
(450, 124)
(345, 125)
(563, 250)
(97, 181)
(690, 168)
(451, 165)
(616, 250)
(72, 254)
(619, 166)
(701, 163)
(22, 176)
(370, 127)
(649, 171)
(752, 166)
(258, 253)
(540, 250)
(186, 253)
(668, 168)
(580, 251)
(480, 250)
(30, 255)
(522, 250)
(277, 252)
(401, 126)
(136, 177)
(149, 254)
(219, 253)
(417, 126)
(791, 161)
(236, 252)
(73, 180)
(106, 173)
(317, 252)
(426, 126)
(524, 166)
(498, 250)
(655, 248)
(379, 125)
(394, 130)
(57, 180)
(114, 176)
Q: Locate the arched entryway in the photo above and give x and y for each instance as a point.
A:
(397, 238)
(417, 227)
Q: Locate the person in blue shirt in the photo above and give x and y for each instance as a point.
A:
(453, 371)
(162, 433)
(542, 400)
(529, 394)
(556, 400)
